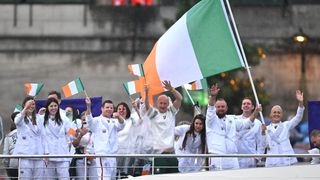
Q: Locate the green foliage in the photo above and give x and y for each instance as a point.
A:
(182, 7)
(235, 85)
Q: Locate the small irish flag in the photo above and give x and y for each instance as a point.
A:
(197, 85)
(136, 69)
(18, 108)
(33, 89)
(72, 88)
(72, 132)
(134, 87)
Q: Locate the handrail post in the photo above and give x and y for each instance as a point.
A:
(85, 168)
(19, 166)
(152, 170)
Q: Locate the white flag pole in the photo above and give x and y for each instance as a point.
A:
(244, 59)
(197, 108)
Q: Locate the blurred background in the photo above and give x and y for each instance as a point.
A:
(56, 41)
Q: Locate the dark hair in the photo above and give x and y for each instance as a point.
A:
(33, 116)
(12, 126)
(253, 103)
(191, 132)
(55, 93)
(221, 99)
(13, 115)
(75, 114)
(127, 108)
(314, 133)
(46, 115)
(82, 114)
(105, 102)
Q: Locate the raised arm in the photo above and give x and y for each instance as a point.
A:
(177, 95)
(146, 101)
(26, 107)
(255, 113)
(88, 115)
(120, 118)
(88, 103)
(18, 119)
(298, 117)
(135, 108)
(80, 133)
(214, 90)
(211, 114)
(299, 96)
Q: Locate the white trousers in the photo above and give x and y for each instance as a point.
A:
(57, 170)
(31, 169)
(247, 162)
(190, 164)
(107, 168)
(92, 173)
(223, 163)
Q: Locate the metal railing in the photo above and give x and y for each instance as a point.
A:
(153, 157)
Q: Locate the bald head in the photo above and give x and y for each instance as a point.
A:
(163, 103)
(276, 107)
(276, 114)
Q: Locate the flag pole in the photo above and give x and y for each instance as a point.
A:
(136, 109)
(85, 92)
(197, 108)
(244, 59)
(131, 99)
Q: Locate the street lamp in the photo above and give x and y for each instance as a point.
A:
(301, 39)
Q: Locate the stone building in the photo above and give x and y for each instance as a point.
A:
(55, 43)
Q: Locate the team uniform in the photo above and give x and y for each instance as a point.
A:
(127, 140)
(105, 142)
(249, 142)
(29, 142)
(193, 146)
(162, 125)
(222, 137)
(277, 140)
(56, 142)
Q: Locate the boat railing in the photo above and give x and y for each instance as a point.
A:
(150, 159)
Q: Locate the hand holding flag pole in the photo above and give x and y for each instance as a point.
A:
(196, 107)
(135, 107)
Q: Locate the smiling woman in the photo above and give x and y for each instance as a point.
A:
(192, 140)
(55, 129)
(276, 114)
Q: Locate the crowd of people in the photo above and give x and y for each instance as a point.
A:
(144, 129)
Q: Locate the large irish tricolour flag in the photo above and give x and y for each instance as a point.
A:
(200, 44)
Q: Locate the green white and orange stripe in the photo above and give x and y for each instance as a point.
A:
(197, 85)
(33, 89)
(136, 69)
(133, 87)
(72, 88)
(200, 44)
